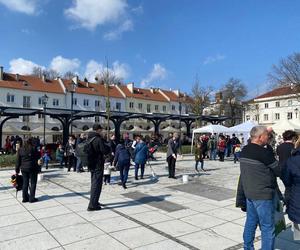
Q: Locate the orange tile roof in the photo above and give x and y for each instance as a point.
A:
(30, 83)
(93, 89)
(173, 97)
(286, 90)
(145, 94)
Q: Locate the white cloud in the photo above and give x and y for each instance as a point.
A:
(63, 65)
(91, 13)
(158, 73)
(24, 6)
(93, 68)
(213, 59)
(116, 34)
(138, 10)
(22, 66)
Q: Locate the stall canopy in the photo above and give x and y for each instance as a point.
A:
(40, 131)
(284, 125)
(10, 130)
(170, 129)
(243, 128)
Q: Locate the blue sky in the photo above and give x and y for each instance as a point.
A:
(152, 43)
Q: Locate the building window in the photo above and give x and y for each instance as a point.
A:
(140, 105)
(266, 117)
(173, 107)
(55, 102)
(74, 101)
(26, 101)
(148, 108)
(164, 108)
(290, 115)
(256, 117)
(266, 105)
(118, 106)
(131, 105)
(277, 116)
(40, 101)
(97, 103)
(257, 106)
(290, 102)
(97, 118)
(277, 104)
(86, 102)
(156, 107)
(10, 98)
(247, 117)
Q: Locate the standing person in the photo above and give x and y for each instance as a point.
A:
(259, 169)
(107, 171)
(173, 149)
(221, 147)
(290, 178)
(70, 153)
(198, 157)
(228, 146)
(122, 161)
(45, 154)
(212, 147)
(235, 142)
(112, 145)
(284, 151)
(79, 167)
(140, 157)
(203, 142)
(27, 161)
(60, 155)
(97, 151)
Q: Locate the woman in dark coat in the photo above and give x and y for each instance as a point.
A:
(122, 161)
(27, 161)
(140, 157)
(291, 179)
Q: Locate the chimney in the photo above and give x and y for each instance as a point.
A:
(1, 73)
(152, 90)
(75, 80)
(176, 92)
(17, 77)
(130, 86)
(44, 78)
(86, 82)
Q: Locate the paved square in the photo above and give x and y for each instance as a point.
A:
(151, 214)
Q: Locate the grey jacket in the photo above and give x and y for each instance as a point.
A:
(173, 147)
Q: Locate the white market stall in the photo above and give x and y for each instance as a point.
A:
(284, 125)
(243, 129)
(209, 129)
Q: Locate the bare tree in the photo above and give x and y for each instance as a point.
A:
(233, 94)
(69, 75)
(201, 99)
(50, 73)
(287, 72)
(108, 76)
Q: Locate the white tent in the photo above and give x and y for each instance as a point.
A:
(40, 131)
(170, 129)
(243, 127)
(137, 129)
(10, 130)
(209, 129)
(284, 125)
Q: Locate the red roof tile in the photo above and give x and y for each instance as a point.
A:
(277, 92)
(31, 83)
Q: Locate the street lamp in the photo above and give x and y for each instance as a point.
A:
(296, 112)
(44, 101)
(73, 89)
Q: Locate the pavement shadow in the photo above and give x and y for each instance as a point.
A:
(66, 195)
(4, 188)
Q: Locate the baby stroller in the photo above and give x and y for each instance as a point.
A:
(152, 150)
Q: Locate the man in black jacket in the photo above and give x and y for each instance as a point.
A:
(96, 165)
(173, 148)
(259, 169)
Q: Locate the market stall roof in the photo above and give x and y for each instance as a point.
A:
(284, 125)
(243, 127)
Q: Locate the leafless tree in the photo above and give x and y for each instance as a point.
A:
(201, 97)
(50, 73)
(108, 76)
(233, 93)
(69, 75)
(287, 72)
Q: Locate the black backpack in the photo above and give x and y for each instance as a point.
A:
(17, 182)
(85, 151)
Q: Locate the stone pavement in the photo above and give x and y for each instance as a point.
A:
(154, 213)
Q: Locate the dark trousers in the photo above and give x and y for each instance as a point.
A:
(32, 178)
(72, 162)
(171, 165)
(221, 155)
(124, 169)
(96, 186)
(107, 178)
(136, 169)
(197, 162)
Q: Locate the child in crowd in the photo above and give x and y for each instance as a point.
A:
(60, 155)
(237, 151)
(199, 156)
(107, 171)
(45, 156)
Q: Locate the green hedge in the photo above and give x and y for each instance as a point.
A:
(7, 161)
(186, 149)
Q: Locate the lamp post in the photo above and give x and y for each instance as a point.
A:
(73, 89)
(296, 112)
(44, 101)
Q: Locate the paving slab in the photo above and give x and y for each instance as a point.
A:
(115, 224)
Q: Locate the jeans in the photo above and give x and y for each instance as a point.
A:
(213, 154)
(236, 157)
(29, 177)
(260, 212)
(136, 169)
(124, 169)
(196, 164)
(78, 165)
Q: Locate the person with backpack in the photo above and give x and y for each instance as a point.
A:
(27, 162)
(79, 165)
(140, 157)
(122, 161)
(96, 150)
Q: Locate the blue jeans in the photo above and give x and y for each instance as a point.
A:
(78, 165)
(196, 164)
(213, 154)
(260, 212)
(136, 169)
(124, 169)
